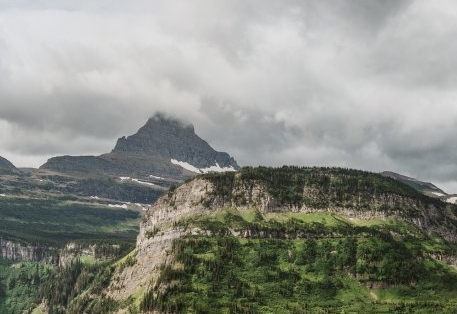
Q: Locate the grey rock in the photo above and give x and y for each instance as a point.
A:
(172, 139)
(27, 253)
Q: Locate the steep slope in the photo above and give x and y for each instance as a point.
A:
(7, 168)
(287, 239)
(163, 147)
(426, 188)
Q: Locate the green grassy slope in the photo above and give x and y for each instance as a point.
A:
(53, 222)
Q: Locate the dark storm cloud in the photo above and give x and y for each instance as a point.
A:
(355, 83)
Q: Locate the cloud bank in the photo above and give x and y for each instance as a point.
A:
(353, 83)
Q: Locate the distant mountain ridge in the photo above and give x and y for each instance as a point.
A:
(426, 188)
(7, 168)
(162, 147)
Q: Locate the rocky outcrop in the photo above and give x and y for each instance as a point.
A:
(152, 251)
(95, 252)
(21, 252)
(27, 253)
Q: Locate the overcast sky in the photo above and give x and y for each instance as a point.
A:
(354, 83)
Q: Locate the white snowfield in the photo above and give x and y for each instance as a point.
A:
(215, 168)
(452, 200)
(438, 194)
(155, 177)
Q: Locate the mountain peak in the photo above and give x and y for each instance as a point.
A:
(172, 139)
(164, 121)
(163, 146)
(154, 137)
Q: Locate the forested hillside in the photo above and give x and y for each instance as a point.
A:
(279, 240)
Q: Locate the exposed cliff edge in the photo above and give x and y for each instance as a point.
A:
(88, 252)
(28, 253)
(21, 252)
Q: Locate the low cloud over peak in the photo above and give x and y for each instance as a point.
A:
(362, 84)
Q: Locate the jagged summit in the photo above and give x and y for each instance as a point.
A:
(172, 139)
(155, 136)
(162, 147)
(7, 168)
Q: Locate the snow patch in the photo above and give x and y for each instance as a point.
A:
(3, 195)
(185, 165)
(143, 182)
(124, 206)
(155, 177)
(452, 200)
(438, 194)
(124, 178)
(94, 197)
(215, 168)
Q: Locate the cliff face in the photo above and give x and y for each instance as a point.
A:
(96, 252)
(22, 253)
(28, 253)
(153, 250)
